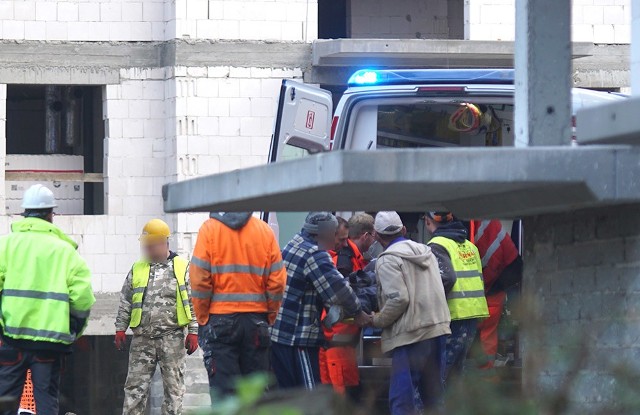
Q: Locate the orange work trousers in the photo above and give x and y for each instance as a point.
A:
(339, 367)
(488, 328)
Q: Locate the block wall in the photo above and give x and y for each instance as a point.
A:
(582, 277)
(224, 118)
(93, 20)
(399, 19)
(289, 20)
(606, 21)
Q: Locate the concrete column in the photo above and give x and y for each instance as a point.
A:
(635, 47)
(543, 73)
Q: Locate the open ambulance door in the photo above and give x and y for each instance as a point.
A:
(302, 127)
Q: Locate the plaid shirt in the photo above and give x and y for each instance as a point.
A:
(312, 280)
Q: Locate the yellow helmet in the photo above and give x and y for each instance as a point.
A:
(154, 231)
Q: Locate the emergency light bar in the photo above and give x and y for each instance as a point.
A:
(370, 77)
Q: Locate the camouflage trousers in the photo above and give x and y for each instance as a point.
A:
(145, 354)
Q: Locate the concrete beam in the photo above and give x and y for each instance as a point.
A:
(527, 182)
(614, 123)
(543, 73)
(243, 54)
(409, 52)
(118, 55)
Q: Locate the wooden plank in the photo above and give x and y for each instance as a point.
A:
(58, 177)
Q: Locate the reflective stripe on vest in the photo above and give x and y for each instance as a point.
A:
(141, 272)
(466, 299)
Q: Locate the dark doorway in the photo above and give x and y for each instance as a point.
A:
(332, 19)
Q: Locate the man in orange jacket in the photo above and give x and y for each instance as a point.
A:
(501, 268)
(237, 281)
(339, 361)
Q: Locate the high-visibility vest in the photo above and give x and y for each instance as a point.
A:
(496, 249)
(141, 270)
(466, 299)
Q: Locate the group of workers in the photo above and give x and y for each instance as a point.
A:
(252, 308)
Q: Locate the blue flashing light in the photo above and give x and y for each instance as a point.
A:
(368, 77)
(364, 77)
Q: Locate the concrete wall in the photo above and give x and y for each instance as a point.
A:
(593, 21)
(119, 20)
(289, 20)
(408, 19)
(582, 274)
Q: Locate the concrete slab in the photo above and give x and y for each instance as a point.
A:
(421, 52)
(479, 183)
(614, 123)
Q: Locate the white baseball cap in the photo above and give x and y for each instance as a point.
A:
(388, 223)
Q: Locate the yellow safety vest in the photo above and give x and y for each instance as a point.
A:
(466, 299)
(141, 270)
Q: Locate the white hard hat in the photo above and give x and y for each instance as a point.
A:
(38, 197)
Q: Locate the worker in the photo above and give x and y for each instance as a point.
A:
(312, 281)
(339, 360)
(361, 237)
(156, 303)
(45, 298)
(466, 299)
(501, 269)
(238, 280)
(414, 317)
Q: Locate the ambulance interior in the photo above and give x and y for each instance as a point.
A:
(418, 122)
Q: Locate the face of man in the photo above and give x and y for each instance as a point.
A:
(366, 240)
(430, 223)
(342, 236)
(156, 251)
(326, 241)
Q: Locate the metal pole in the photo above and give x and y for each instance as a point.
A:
(635, 47)
(543, 73)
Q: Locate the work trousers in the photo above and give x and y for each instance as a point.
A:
(45, 375)
(295, 367)
(145, 355)
(339, 367)
(458, 344)
(488, 329)
(417, 377)
(233, 345)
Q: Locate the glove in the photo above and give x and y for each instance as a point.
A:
(121, 340)
(191, 343)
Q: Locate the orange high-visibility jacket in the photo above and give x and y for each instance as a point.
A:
(236, 271)
(358, 263)
(496, 249)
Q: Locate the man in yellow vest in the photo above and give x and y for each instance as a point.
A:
(45, 300)
(467, 302)
(156, 303)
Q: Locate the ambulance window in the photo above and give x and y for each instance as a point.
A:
(288, 224)
(413, 123)
(290, 152)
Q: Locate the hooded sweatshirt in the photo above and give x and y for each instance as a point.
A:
(413, 305)
(236, 267)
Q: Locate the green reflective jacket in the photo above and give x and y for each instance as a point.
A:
(43, 284)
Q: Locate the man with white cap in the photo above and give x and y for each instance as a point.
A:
(45, 298)
(414, 317)
(312, 282)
